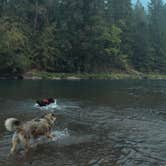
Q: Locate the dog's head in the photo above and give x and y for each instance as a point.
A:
(37, 101)
(51, 117)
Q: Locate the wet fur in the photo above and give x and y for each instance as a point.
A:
(30, 130)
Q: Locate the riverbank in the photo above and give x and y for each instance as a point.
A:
(36, 75)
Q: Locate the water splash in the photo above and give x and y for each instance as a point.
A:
(57, 135)
(47, 107)
(60, 134)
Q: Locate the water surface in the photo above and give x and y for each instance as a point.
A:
(107, 123)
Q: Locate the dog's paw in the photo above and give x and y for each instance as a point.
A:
(11, 153)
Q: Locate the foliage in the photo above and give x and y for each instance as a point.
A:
(13, 47)
(82, 36)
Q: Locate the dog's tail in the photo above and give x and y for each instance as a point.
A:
(12, 124)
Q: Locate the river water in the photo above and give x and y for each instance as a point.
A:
(99, 123)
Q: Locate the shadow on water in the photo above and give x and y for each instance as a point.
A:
(98, 122)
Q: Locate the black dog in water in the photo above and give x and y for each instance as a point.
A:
(45, 102)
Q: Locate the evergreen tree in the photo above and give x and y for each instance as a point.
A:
(82, 35)
(141, 59)
(157, 34)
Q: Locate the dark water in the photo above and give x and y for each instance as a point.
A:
(109, 123)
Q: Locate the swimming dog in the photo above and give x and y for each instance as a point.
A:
(25, 131)
(45, 102)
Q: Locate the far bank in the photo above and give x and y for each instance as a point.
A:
(35, 75)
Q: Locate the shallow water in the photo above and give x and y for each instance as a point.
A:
(107, 123)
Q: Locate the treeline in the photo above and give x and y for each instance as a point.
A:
(82, 36)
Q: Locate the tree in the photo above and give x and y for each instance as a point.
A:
(13, 47)
(82, 35)
(141, 58)
(45, 52)
(157, 34)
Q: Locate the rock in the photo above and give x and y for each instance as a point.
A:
(56, 78)
(32, 78)
(73, 78)
(36, 78)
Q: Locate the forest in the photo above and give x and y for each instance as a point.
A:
(82, 36)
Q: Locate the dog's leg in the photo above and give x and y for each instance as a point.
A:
(48, 135)
(27, 147)
(15, 141)
(26, 144)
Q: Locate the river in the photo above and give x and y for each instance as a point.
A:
(99, 122)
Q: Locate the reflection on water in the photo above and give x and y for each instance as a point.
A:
(98, 122)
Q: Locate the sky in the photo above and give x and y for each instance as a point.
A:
(144, 2)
